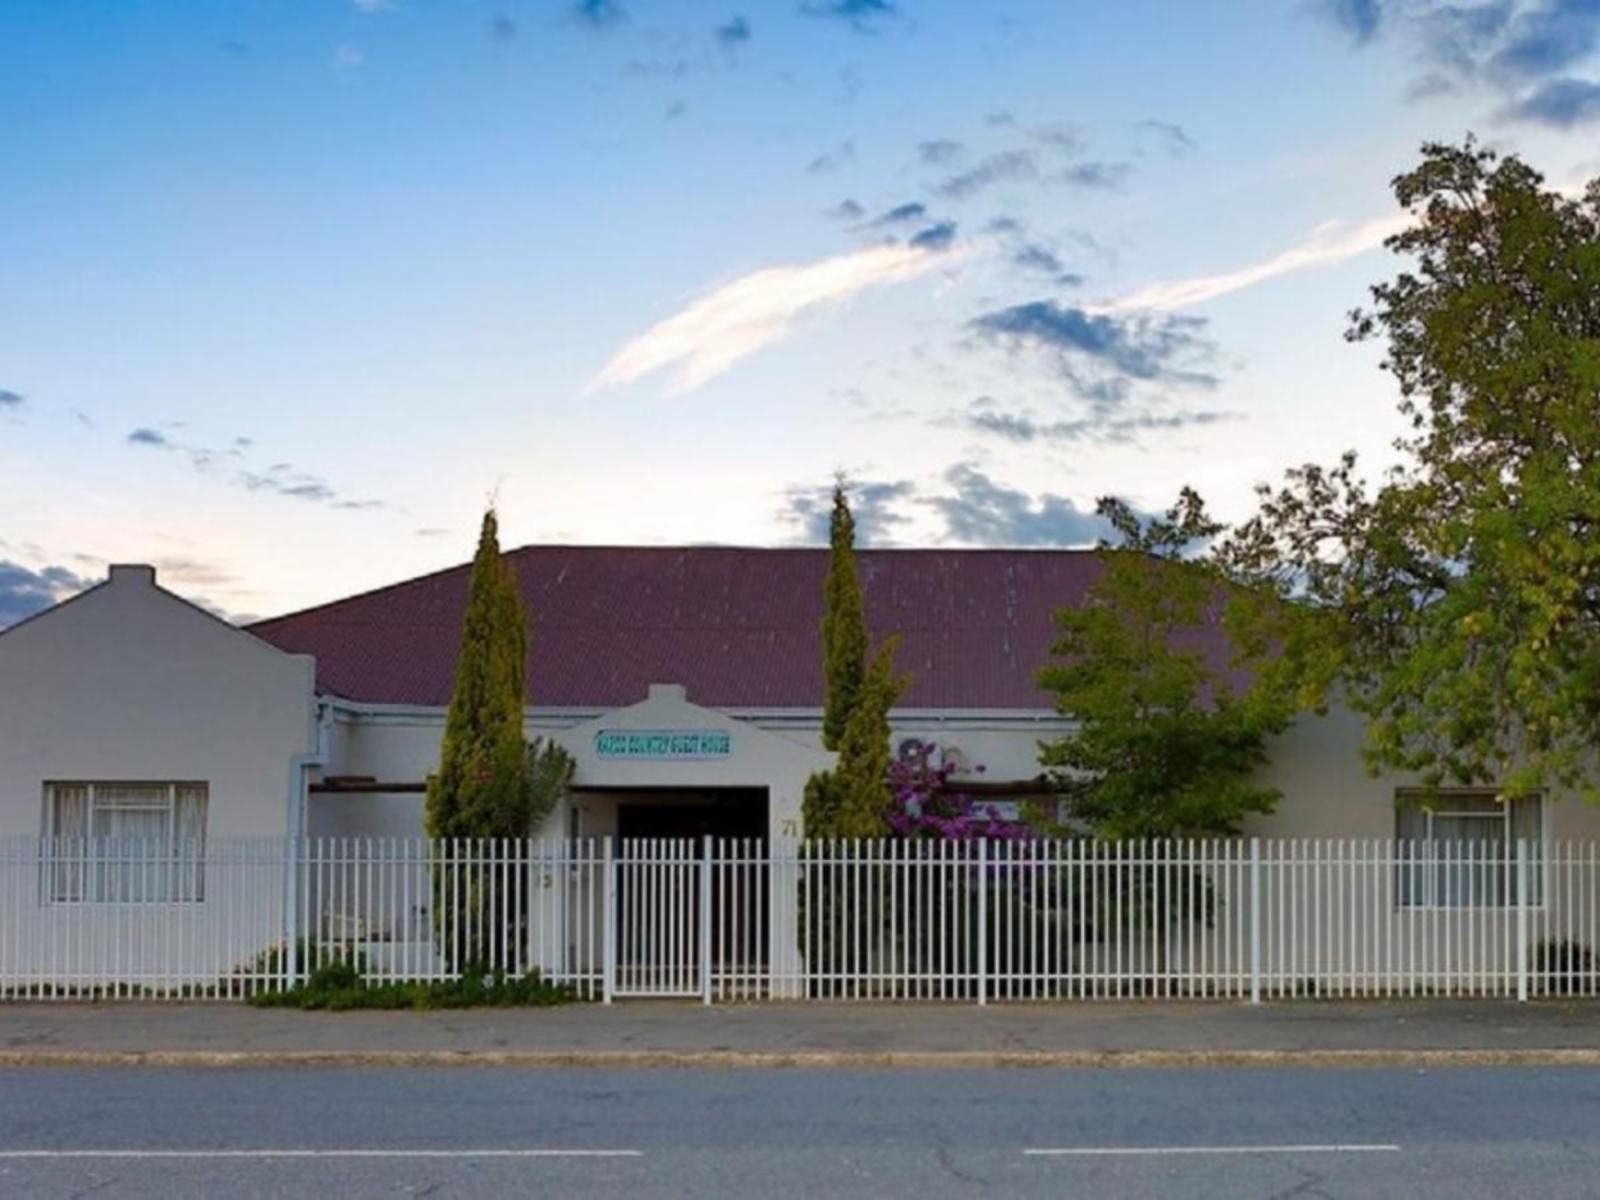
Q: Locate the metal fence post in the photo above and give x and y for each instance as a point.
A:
(291, 879)
(608, 923)
(1522, 919)
(983, 921)
(1255, 920)
(705, 919)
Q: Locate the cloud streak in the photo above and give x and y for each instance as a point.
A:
(1099, 429)
(754, 311)
(282, 479)
(1326, 245)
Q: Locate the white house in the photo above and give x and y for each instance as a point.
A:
(685, 681)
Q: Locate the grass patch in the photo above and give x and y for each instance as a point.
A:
(340, 986)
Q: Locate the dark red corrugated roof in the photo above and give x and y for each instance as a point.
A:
(737, 627)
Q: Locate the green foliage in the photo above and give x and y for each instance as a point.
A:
(1166, 739)
(479, 790)
(340, 984)
(863, 770)
(844, 624)
(820, 804)
(853, 799)
(1459, 598)
(547, 772)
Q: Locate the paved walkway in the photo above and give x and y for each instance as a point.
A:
(643, 1033)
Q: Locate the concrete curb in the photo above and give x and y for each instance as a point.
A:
(837, 1059)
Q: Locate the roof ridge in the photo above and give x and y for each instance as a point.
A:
(530, 548)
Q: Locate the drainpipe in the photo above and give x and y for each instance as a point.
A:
(299, 785)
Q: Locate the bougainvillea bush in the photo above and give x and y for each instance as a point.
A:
(925, 805)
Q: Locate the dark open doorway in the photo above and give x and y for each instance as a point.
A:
(722, 813)
(663, 875)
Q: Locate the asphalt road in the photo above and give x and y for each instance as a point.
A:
(1461, 1133)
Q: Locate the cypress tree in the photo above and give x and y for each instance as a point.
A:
(844, 623)
(479, 789)
(862, 776)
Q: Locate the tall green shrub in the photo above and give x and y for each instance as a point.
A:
(844, 623)
(862, 776)
(480, 789)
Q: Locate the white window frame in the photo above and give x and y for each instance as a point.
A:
(82, 869)
(1421, 892)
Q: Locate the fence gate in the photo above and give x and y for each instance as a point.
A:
(659, 888)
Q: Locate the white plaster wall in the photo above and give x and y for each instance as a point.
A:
(128, 682)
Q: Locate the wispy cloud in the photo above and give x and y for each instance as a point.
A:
(8, 399)
(832, 160)
(1171, 137)
(876, 506)
(1106, 176)
(1526, 50)
(25, 591)
(1327, 244)
(864, 16)
(1041, 259)
(1102, 355)
(1559, 104)
(1105, 428)
(739, 318)
(900, 214)
(230, 463)
(979, 511)
(372, 7)
(1359, 18)
(940, 236)
(996, 168)
(599, 14)
(733, 33)
(502, 29)
(939, 151)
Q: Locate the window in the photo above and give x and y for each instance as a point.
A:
(1458, 849)
(126, 842)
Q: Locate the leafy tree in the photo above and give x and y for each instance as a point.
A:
(547, 773)
(1459, 597)
(844, 623)
(1166, 735)
(479, 790)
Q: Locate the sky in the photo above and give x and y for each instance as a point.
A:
(290, 291)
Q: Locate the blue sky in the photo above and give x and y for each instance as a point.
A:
(291, 290)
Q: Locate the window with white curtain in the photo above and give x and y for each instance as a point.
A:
(1457, 849)
(126, 842)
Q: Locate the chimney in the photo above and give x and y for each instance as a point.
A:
(141, 574)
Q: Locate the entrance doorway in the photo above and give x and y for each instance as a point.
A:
(679, 914)
(720, 813)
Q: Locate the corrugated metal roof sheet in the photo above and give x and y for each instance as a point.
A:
(737, 627)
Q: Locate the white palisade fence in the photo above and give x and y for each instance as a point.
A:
(745, 919)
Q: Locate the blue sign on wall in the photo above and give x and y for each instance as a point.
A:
(667, 744)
